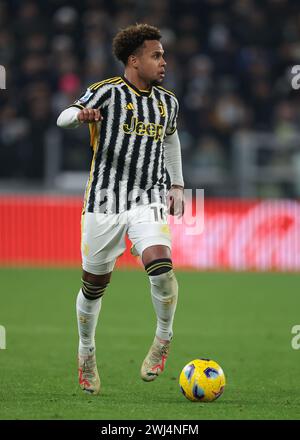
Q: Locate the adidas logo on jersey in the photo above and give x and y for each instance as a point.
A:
(129, 106)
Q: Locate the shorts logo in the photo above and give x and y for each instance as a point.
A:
(165, 229)
(143, 129)
(85, 249)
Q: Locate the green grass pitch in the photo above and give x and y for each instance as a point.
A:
(243, 321)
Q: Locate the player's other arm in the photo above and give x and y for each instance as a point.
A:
(173, 159)
(173, 163)
(175, 198)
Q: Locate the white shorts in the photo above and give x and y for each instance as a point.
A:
(103, 235)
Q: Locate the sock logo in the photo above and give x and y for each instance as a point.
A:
(83, 319)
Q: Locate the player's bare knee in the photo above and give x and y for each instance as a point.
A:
(156, 252)
(93, 286)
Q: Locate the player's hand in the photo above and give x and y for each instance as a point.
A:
(175, 201)
(89, 115)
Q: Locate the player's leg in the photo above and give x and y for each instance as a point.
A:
(164, 288)
(151, 240)
(164, 293)
(103, 240)
(88, 306)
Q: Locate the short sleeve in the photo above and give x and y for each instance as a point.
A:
(172, 123)
(95, 97)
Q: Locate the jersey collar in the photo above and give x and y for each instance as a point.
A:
(135, 89)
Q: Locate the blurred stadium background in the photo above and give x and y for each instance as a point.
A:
(239, 124)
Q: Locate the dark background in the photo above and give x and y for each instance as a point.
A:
(229, 63)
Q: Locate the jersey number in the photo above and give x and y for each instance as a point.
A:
(158, 213)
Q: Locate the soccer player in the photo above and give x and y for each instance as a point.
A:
(132, 122)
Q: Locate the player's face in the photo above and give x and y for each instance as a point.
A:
(150, 62)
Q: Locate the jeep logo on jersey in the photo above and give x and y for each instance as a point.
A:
(142, 128)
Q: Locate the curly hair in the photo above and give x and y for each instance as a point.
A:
(129, 40)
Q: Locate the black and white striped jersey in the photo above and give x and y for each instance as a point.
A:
(128, 162)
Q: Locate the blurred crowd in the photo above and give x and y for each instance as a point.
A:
(229, 63)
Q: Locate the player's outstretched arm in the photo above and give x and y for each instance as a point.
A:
(72, 117)
(89, 115)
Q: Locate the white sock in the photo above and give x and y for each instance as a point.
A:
(87, 318)
(164, 292)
